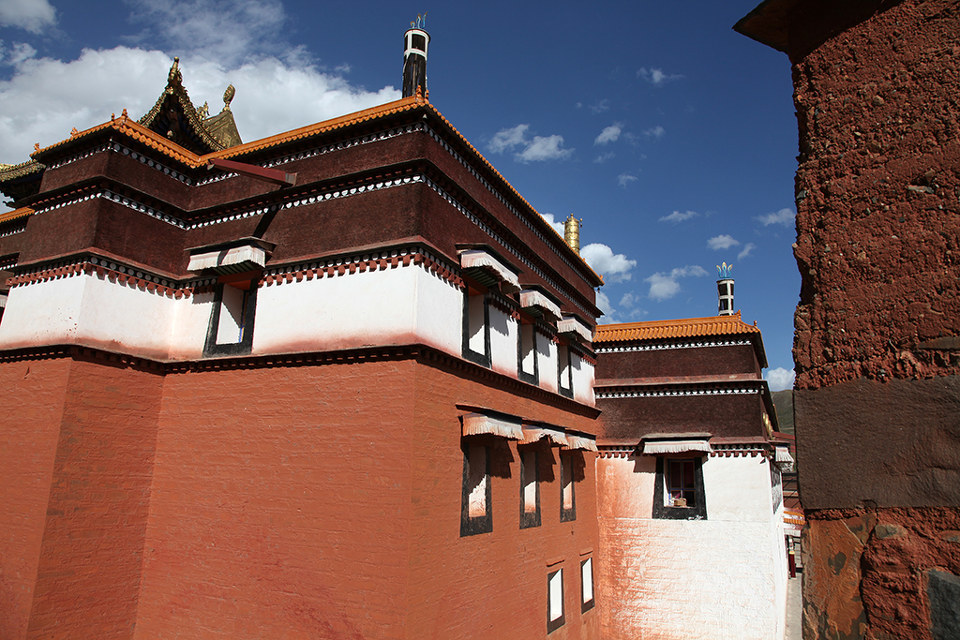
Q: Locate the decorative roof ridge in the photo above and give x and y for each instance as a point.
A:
(133, 129)
(14, 171)
(176, 89)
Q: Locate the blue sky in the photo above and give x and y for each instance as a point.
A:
(670, 135)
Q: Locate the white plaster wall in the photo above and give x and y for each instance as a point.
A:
(397, 306)
(723, 578)
(504, 334)
(188, 331)
(92, 311)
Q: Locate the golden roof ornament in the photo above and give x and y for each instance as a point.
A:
(228, 97)
(204, 111)
(174, 74)
(571, 232)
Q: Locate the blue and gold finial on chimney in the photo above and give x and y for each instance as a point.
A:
(725, 289)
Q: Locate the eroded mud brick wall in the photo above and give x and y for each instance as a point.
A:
(877, 343)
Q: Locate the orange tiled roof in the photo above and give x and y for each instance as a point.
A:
(124, 124)
(666, 329)
(22, 212)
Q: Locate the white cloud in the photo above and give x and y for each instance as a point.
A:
(657, 77)
(603, 157)
(723, 241)
(544, 148)
(600, 107)
(84, 92)
(228, 31)
(629, 300)
(625, 178)
(614, 267)
(664, 286)
(746, 251)
(19, 52)
(557, 226)
(655, 132)
(507, 139)
(780, 378)
(603, 302)
(536, 149)
(609, 134)
(30, 15)
(784, 217)
(679, 216)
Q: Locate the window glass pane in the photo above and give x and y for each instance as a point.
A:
(586, 576)
(556, 595)
(477, 481)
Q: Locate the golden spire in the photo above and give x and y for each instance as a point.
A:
(571, 232)
(228, 97)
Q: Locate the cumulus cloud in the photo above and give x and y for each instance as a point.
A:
(551, 220)
(31, 15)
(746, 251)
(625, 178)
(609, 134)
(657, 77)
(84, 92)
(527, 149)
(603, 302)
(229, 31)
(655, 132)
(780, 378)
(614, 267)
(15, 54)
(679, 216)
(664, 286)
(723, 241)
(783, 217)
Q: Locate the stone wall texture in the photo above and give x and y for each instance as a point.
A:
(877, 343)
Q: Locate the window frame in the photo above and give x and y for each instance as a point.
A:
(585, 604)
(661, 510)
(555, 623)
(564, 363)
(567, 478)
(483, 359)
(473, 525)
(532, 378)
(529, 519)
(212, 346)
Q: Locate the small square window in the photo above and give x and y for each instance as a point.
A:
(586, 584)
(555, 618)
(568, 501)
(475, 513)
(679, 490)
(529, 487)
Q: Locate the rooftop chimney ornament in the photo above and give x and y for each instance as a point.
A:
(725, 289)
(415, 43)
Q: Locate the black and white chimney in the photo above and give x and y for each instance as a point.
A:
(415, 43)
(725, 289)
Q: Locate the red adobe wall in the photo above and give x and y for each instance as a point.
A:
(306, 501)
(33, 400)
(877, 344)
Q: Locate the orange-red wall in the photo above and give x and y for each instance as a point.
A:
(275, 501)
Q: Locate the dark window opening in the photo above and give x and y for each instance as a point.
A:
(678, 489)
(529, 487)
(568, 497)
(230, 330)
(555, 618)
(476, 328)
(527, 362)
(586, 585)
(564, 371)
(476, 515)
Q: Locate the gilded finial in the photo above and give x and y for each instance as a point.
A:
(174, 74)
(123, 114)
(571, 232)
(204, 111)
(228, 97)
(74, 131)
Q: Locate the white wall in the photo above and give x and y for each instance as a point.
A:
(723, 578)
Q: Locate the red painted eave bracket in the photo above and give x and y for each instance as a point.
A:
(274, 176)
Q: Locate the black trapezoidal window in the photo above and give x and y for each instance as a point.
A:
(476, 514)
(230, 331)
(678, 489)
